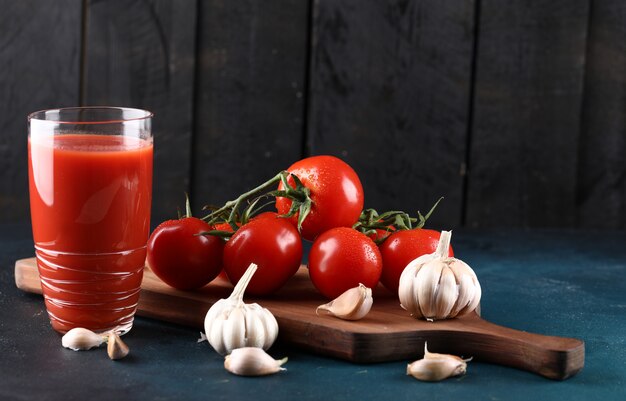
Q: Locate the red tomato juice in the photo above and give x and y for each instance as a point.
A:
(90, 199)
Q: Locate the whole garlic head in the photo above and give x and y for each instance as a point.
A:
(436, 286)
(231, 324)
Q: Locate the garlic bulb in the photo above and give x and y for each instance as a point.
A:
(231, 324)
(250, 361)
(436, 367)
(437, 286)
(353, 304)
(80, 339)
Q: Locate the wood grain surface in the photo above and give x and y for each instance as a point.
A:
(601, 173)
(386, 333)
(528, 99)
(514, 114)
(40, 66)
(390, 93)
(142, 54)
(250, 95)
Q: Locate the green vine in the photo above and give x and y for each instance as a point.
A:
(370, 221)
(240, 210)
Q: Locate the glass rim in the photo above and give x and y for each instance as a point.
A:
(146, 115)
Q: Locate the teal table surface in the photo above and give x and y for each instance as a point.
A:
(563, 283)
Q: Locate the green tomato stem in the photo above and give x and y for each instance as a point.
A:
(300, 197)
(393, 220)
(232, 206)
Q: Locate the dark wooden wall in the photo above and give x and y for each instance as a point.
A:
(514, 111)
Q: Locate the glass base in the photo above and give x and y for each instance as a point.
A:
(63, 327)
(98, 292)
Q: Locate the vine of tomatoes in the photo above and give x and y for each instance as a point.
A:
(319, 199)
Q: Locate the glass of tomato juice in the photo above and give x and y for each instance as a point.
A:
(90, 185)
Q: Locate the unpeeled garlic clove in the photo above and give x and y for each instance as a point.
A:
(434, 370)
(436, 367)
(80, 339)
(252, 361)
(353, 304)
(116, 348)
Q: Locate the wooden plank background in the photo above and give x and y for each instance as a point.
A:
(515, 113)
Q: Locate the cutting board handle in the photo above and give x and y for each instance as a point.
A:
(552, 357)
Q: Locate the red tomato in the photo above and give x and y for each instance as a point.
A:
(265, 215)
(402, 247)
(181, 258)
(223, 227)
(336, 192)
(341, 258)
(227, 227)
(273, 244)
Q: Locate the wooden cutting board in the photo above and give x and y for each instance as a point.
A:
(387, 333)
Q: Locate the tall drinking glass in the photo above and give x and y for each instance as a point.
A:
(90, 184)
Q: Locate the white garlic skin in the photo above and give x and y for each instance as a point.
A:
(433, 370)
(80, 339)
(230, 323)
(353, 304)
(435, 367)
(251, 361)
(229, 327)
(437, 286)
(116, 348)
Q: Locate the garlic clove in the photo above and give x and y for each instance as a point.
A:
(428, 283)
(270, 327)
(234, 329)
(469, 289)
(445, 295)
(353, 304)
(255, 331)
(472, 306)
(436, 369)
(472, 281)
(252, 361)
(80, 339)
(406, 292)
(116, 348)
(214, 333)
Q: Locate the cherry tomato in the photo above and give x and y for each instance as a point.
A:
(341, 258)
(336, 192)
(274, 244)
(180, 257)
(227, 227)
(223, 227)
(264, 215)
(402, 247)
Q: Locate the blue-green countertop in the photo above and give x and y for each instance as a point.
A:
(564, 283)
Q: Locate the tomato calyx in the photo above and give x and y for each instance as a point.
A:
(239, 211)
(370, 221)
(300, 198)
